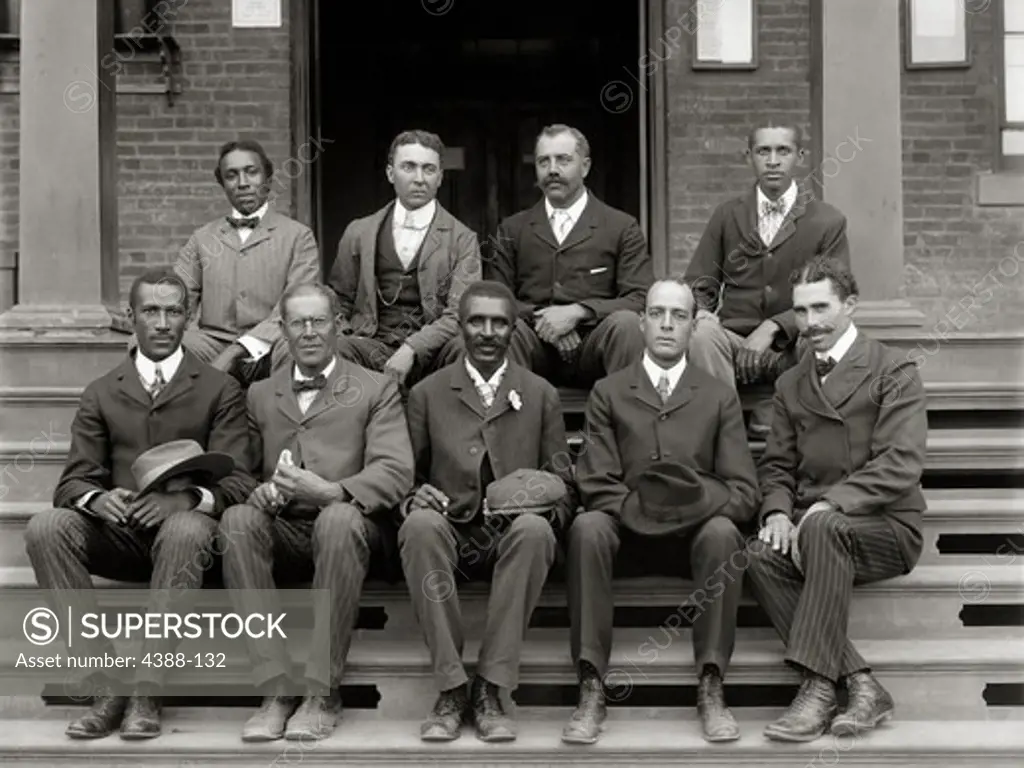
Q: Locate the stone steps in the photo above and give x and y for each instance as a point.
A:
(191, 740)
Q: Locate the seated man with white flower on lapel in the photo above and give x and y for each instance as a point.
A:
(481, 429)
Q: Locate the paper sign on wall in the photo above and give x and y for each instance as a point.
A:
(256, 13)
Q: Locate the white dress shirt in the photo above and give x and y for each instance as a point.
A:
(768, 225)
(146, 369)
(306, 397)
(655, 371)
(838, 350)
(564, 219)
(256, 348)
(486, 388)
(409, 228)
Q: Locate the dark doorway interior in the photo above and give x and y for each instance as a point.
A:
(486, 77)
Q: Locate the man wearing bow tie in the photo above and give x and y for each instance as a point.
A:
(400, 271)
(745, 329)
(578, 268)
(327, 514)
(238, 266)
(842, 502)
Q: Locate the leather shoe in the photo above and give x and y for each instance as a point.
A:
(716, 719)
(868, 704)
(585, 724)
(444, 723)
(268, 722)
(103, 717)
(809, 715)
(492, 723)
(141, 718)
(315, 719)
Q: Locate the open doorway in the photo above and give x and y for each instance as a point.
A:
(484, 76)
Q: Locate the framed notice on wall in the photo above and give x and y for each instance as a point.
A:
(256, 13)
(724, 34)
(935, 34)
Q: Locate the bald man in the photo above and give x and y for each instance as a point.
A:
(668, 482)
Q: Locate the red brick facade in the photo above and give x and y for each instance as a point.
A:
(238, 81)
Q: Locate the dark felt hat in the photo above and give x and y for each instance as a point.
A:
(672, 498)
(524, 491)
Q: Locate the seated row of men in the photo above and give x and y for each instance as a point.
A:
(331, 479)
(578, 268)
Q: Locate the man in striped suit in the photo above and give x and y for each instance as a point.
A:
(842, 501)
(238, 266)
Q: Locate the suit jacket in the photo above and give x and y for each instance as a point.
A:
(235, 288)
(354, 433)
(117, 421)
(449, 261)
(451, 431)
(733, 270)
(628, 428)
(858, 441)
(602, 264)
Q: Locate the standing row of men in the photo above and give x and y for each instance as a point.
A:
(474, 477)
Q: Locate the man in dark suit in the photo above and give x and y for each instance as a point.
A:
(841, 482)
(237, 266)
(740, 271)
(661, 417)
(325, 513)
(400, 271)
(99, 525)
(579, 269)
(474, 422)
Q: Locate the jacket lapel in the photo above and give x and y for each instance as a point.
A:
(336, 390)
(745, 216)
(180, 384)
(130, 383)
(809, 390)
(284, 395)
(510, 381)
(585, 225)
(465, 389)
(436, 236)
(788, 228)
(264, 230)
(683, 392)
(541, 227)
(228, 235)
(643, 389)
(848, 375)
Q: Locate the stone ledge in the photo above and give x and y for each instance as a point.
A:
(1003, 189)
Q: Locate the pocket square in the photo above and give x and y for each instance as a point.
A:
(598, 270)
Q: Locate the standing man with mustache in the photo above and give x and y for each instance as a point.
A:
(842, 504)
(579, 270)
(745, 329)
(238, 266)
(400, 271)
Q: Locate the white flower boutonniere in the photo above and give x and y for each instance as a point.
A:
(515, 400)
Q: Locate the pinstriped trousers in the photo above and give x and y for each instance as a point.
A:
(811, 612)
(65, 546)
(334, 550)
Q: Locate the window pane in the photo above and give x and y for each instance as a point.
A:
(1013, 17)
(1014, 78)
(1013, 143)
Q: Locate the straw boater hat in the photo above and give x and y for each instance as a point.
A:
(177, 458)
(672, 498)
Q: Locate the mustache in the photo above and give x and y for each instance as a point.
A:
(816, 330)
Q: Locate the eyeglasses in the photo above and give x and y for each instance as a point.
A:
(298, 324)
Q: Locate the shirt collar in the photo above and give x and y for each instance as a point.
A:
(168, 366)
(259, 213)
(842, 345)
(300, 376)
(477, 378)
(654, 371)
(575, 210)
(419, 218)
(788, 198)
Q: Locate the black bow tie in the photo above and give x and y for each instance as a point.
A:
(824, 367)
(306, 385)
(249, 223)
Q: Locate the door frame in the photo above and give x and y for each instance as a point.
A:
(306, 205)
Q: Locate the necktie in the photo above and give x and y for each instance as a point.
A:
(158, 383)
(824, 367)
(561, 223)
(305, 385)
(664, 388)
(773, 207)
(249, 223)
